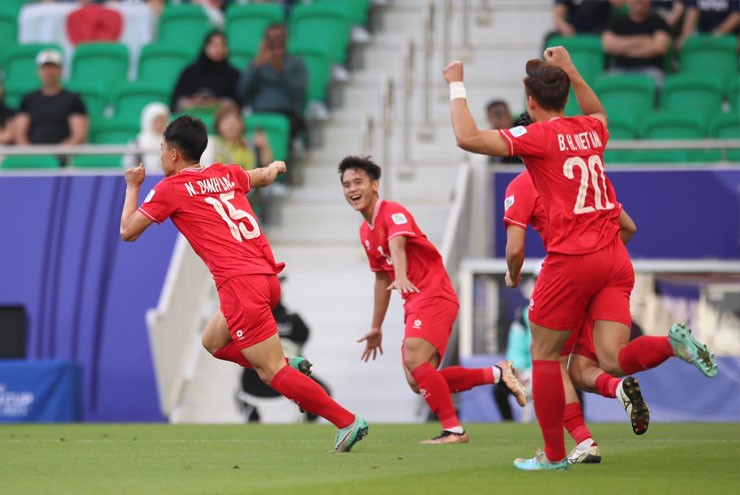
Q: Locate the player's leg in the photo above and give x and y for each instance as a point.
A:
(586, 450)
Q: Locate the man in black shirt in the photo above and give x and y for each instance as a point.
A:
(51, 115)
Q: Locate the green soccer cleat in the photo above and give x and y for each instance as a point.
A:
(347, 437)
(540, 463)
(686, 347)
(301, 364)
(630, 396)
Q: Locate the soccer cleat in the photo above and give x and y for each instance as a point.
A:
(347, 437)
(630, 396)
(511, 381)
(589, 455)
(301, 364)
(540, 463)
(686, 347)
(447, 437)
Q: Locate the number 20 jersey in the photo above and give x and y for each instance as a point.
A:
(564, 156)
(209, 207)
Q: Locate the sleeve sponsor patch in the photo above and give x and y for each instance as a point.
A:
(149, 196)
(508, 202)
(399, 218)
(518, 131)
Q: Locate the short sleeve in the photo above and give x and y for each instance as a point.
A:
(519, 203)
(526, 141)
(398, 221)
(77, 106)
(242, 178)
(160, 203)
(25, 106)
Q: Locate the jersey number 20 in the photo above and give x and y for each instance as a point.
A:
(235, 215)
(594, 171)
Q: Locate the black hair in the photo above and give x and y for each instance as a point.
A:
(523, 120)
(366, 164)
(547, 84)
(188, 135)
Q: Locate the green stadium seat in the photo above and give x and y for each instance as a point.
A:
(184, 25)
(358, 9)
(131, 98)
(319, 70)
(733, 95)
(240, 58)
(695, 94)
(15, 91)
(246, 25)
(8, 28)
(586, 52)
(622, 126)
(277, 128)
(162, 63)
(627, 93)
(30, 162)
(96, 161)
(571, 106)
(675, 125)
(727, 126)
(323, 26)
(116, 130)
(104, 62)
(19, 63)
(709, 54)
(207, 115)
(95, 96)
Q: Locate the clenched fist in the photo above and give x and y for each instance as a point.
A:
(453, 72)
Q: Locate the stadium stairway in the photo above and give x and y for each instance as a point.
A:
(328, 280)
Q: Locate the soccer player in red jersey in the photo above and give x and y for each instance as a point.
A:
(403, 259)
(208, 205)
(587, 265)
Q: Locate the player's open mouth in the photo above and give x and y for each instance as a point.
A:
(355, 197)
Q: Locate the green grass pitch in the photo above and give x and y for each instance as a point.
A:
(142, 459)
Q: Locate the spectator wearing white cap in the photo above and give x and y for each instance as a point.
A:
(51, 114)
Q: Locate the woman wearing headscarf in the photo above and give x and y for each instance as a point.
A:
(154, 119)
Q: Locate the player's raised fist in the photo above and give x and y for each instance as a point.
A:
(135, 176)
(454, 71)
(558, 56)
(280, 166)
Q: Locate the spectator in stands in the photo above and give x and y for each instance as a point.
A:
(7, 120)
(209, 82)
(499, 117)
(231, 146)
(154, 119)
(582, 16)
(275, 81)
(672, 12)
(717, 17)
(51, 114)
(638, 41)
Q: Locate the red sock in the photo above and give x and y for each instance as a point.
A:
(607, 385)
(310, 396)
(549, 406)
(459, 378)
(574, 422)
(644, 353)
(435, 391)
(229, 352)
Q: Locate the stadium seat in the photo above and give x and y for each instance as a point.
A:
(623, 93)
(162, 63)
(727, 126)
(358, 9)
(701, 95)
(319, 70)
(207, 115)
(240, 58)
(184, 25)
(277, 128)
(323, 26)
(116, 130)
(571, 106)
(622, 126)
(15, 91)
(29, 162)
(733, 95)
(706, 53)
(96, 161)
(8, 28)
(19, 63)
(585, 51)
(246, 25)
(103, 62)
(95, 96)
(677, 125)
(131, 98)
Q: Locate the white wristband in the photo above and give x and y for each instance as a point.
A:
(457, 90)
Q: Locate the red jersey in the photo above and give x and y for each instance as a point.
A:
(209, 207)
(424, 266)
(523, 206)
(565, 157)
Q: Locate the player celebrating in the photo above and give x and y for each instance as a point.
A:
(208, 205)
(403, 259)
(587, 265)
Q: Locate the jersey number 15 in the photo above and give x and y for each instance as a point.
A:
(235, 215)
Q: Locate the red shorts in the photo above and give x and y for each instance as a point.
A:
(570, 285)
(585, 343)
(431, 319)
(247, 302)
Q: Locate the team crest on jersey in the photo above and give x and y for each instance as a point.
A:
(149, 196)
(417, 324)
(518, 131)
(508, 202)
(240, 334)
(399, 218)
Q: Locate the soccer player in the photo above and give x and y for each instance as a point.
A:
(208, 205)
(403, 259)
(587, 265)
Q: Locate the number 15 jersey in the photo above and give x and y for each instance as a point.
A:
(564, 156)
(209, 207)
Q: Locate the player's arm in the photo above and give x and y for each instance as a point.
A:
(469, 137)
(264, 176)
(382, 297)
(401, 283)
(133, 222)
(515, 237)
(627, 226)
(588, 102)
